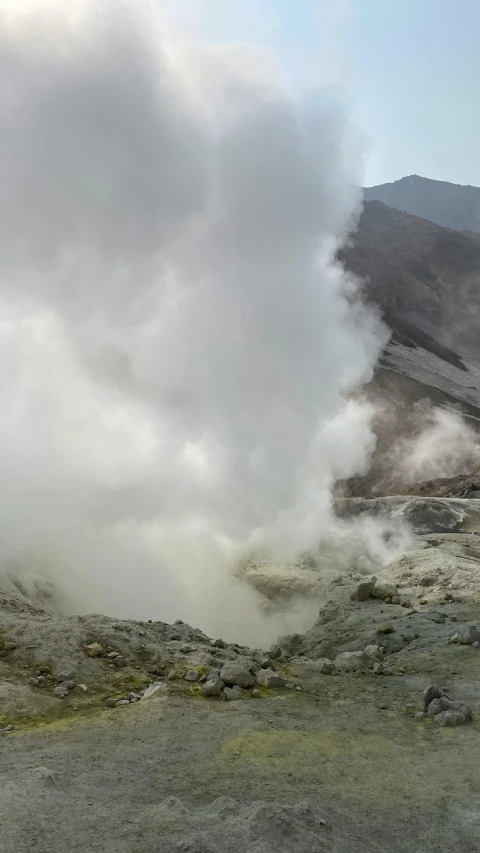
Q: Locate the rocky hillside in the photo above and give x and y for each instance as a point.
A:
(426, 281)
(451, 205)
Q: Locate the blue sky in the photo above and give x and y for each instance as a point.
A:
(408, 71)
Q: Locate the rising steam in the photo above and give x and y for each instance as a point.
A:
(442, 445)
(177, 343)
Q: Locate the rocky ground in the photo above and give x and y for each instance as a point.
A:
(361, 734)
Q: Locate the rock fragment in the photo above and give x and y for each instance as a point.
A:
(236, 673)
(231, 694)
(94, 650)
(469, 635)
(192, 675)
(363, 590)
(275, 652)
(212, 688)
(270, 678)
(350, 660)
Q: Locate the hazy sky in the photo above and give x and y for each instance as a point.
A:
(409, 71)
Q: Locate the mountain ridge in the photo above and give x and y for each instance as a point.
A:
(455, 206)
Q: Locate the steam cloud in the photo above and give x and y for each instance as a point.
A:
(177, 342)
(442, 445)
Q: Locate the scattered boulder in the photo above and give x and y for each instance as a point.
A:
(327, 667)
(256, 694)
(374, 651)
(231, 694)
(363, 590)
(192, 675)
(430, 693)
(385, 629)
(262, 660)
(450, 718)
(384, 590)
(61, 691)
(94, 650)
(212, 687)
(469, 635)
(444, 710)
(155, 687)
(110, 702)
(275, 652)
(236, 673)
(350, 660)
(270, 678)
(66, 675)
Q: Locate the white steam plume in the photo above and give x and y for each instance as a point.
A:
(442, 445)
(177, 342)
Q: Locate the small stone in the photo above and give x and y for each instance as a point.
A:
(363, 590)
(327, 667)
(66, 675)
(61, 691)
(387, 670)
(83, 687)
(69, 685)
(41, 680)
(231, 694)
(298, 688)
(405, 602)
(469, 635)
(377, 668)
(383, 707)
(94, 650)
(192, 675)
(110, 703)
(33, 682)
(420, 715)
(9, 646)
(453, 639)
(142, 633)
(476, 645)
(385, 629)
(275, 652)
(121, 702)
(46, 775)
(256, 694)
(133, 697)
(113, 655)
(423, 601)
(186, 649)
(395, 599)
(236, 673)
(219, 643)
(155, 687)
(172, 674)
(9, 728)
(453, 618)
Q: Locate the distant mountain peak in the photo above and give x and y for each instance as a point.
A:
(455, 206)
